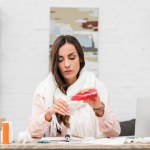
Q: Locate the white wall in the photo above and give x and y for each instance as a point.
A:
(24, 56)
(124, 43)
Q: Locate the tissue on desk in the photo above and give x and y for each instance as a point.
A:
(139, 140)
(24, 137)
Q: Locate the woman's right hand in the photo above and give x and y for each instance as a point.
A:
(59, 106)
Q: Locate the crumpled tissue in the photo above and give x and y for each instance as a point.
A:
(139, 140)
(24, 137)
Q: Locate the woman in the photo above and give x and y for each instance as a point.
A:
(54, 113)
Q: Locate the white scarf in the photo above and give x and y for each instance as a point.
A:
(82, 119)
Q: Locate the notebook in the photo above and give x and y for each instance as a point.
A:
(142, 124)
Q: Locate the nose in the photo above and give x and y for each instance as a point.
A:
(67, 63)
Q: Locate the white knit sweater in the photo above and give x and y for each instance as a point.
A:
(83, 121)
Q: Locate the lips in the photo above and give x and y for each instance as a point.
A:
(67, 71)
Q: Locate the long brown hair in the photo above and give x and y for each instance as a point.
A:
(53, 66)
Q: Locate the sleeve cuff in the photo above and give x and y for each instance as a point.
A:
(105, 118)
(41, 120)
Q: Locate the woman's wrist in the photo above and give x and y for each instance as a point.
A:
(48, 115)
(99, 111)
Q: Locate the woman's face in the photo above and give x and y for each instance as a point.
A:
(68, 62)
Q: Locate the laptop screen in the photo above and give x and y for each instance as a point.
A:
(142, 124)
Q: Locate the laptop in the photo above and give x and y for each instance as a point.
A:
(142, 124)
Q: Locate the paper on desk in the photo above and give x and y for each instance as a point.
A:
(74, 140)
(52, 139)
(90, 140)
(62, 138)
(108, 141)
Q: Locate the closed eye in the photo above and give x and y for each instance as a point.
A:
(72, 57)
(60, 59)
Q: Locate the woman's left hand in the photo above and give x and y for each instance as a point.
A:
(94, 102)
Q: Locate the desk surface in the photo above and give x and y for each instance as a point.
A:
(67, 146)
